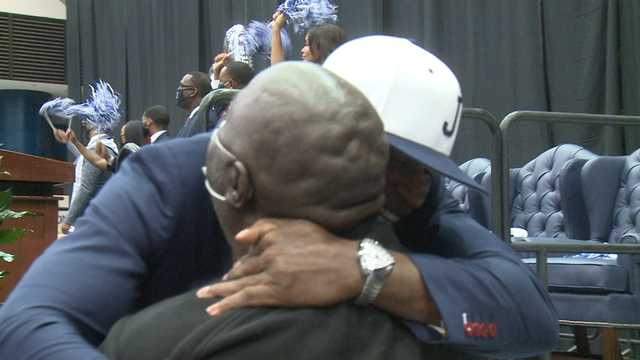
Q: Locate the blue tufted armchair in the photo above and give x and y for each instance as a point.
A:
(601, 202)
(604, 288)
(472, 201)
(537, 205)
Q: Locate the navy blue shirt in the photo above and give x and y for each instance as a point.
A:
(151, 233)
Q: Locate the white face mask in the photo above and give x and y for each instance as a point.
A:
(214, 83)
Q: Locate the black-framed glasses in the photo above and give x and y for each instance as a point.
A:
(181, 88)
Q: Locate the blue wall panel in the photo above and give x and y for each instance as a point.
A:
(21, 127)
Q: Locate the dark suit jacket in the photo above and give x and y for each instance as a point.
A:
(162, 138)
(210, 112)
(151, 233)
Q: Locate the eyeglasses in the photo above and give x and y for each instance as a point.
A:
(207, 185)
(183, 88)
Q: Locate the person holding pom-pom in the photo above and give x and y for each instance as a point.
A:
(319, 42)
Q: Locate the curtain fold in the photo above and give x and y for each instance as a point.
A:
(570, 55)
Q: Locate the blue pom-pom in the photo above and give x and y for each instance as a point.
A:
(305, 14)
(102, 110)
(240, 44)
(261, 32)
(106, 104)
(56, 108)
(83, 111)
(261, 35)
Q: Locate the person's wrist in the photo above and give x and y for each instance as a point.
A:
(376, 264)
(351, 273)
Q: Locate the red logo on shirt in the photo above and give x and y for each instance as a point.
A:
(478, 329)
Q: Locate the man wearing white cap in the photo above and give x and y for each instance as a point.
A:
(456, 285)
(468, 287)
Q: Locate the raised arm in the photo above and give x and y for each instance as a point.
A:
(100, 162)
(277, 51)
(84, 282)
(218, 63)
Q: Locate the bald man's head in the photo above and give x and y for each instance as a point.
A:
(299, 142)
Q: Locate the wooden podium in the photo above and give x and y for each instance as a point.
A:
(31, 179)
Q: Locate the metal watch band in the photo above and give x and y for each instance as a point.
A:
(373, 284)
(376, 274)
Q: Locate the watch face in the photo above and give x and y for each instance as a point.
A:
(374, 257)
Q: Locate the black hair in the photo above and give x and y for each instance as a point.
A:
(324, 39)
(134, 132)
(201, 81)
(126, 150)
(159, 115)
(240, 72)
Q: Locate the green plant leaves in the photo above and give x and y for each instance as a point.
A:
(5, 199)
(12, 234)
(3, 172)
(6, 257)
(5, 210)
(8, 236)
(10, 214)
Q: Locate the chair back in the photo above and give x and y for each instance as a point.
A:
(472, 201)
(537, 205)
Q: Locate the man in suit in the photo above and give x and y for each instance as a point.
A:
(339, 187)
(450, 263)
(193, 87)
(233, 76)
(152, 233)
(156, 121)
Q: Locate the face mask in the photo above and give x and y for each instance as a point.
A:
(215, 83)
(181, 100)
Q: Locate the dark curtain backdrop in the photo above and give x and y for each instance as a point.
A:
(570, 55)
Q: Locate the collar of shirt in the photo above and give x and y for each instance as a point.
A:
(194, 111)
(155, 136)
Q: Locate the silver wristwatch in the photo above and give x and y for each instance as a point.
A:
(376, 263)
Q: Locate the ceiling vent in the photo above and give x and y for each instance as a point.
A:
(32, 48)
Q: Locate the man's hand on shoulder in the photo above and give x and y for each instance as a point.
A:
(292, 263)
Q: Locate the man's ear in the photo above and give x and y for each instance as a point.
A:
(240, 191)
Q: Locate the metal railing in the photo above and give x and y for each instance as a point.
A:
(496, 163)
(548, 118)
(543, 246)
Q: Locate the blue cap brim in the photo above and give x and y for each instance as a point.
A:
(434, 160)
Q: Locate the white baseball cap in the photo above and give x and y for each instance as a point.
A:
(417, 96)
